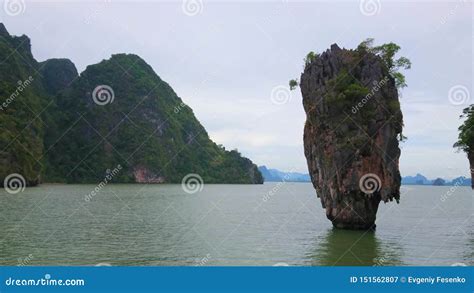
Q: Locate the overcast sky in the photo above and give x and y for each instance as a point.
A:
(225, 59)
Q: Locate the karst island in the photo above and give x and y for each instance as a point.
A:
(353, 129)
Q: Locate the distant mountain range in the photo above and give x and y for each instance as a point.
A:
(274, 175)
(419, 179)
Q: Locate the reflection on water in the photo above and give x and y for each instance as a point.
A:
(353, 248)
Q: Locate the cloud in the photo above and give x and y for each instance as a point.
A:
(225, 62)
(243, 138)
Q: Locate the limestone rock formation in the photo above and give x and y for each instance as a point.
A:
(58, 126)
(351, 135)
(22, 99)
(58, 74)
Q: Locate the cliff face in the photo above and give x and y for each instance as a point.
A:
(120, 111)
(22, 99)
(61, 127)
(350, 135)
(58, 74)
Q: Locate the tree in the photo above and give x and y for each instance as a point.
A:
(466, 138)
(310, 57)
(466, 131)
(387, 53)
(293, 84)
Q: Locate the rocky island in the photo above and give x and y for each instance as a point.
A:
(118, 115)
(352, 130)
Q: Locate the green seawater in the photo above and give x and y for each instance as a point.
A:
(256, 225)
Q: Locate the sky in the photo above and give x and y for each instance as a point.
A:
(231, 63)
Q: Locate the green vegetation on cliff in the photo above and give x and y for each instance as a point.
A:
(61, 127)
(142, 125)
(466, 131)
(347, 92)
(352, 131)
(466, 138)
(58, 74)
(386, 52)
(21, 100)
